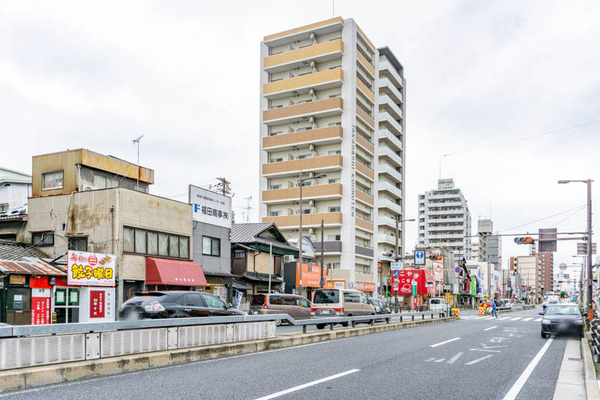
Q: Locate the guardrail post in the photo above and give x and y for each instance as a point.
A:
(303, 328)
(330, 327)
(401, 319)
(423, 317)
(413, 317)
(431, 315)
(372, 322)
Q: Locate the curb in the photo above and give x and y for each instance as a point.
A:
(591, 383)
(24, 378)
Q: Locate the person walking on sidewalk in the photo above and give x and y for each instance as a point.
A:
(494, 312)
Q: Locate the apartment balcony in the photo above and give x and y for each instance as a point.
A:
(385, 117)
(445, 204)
(382, 238)
(321, 192)
(385, 186)
(308, 220)
(387, 152)
(368, 93)
(365, 144)
(366, 64)
(320, 52)
(394, 142)
(446, 212)
(364, 225)
(332, 134)
(392, 173)
(440, 196)
(293, 167)
(365, 118)
(388, 221)
(303, 32)
(433, 228)
(388, 87)
(445, 220)
(394, 75)
(367, 172)
(390, 205)
(365, 198)
(302, 84)
(302, 112)
(447, 236)
(393, 108)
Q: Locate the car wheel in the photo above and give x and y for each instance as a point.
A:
(278, 322)
(320, 326)
(543, 335)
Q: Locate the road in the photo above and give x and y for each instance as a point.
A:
(474, 358)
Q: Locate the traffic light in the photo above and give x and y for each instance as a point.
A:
(524, 240)
(435, 257)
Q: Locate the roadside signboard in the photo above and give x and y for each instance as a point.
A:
(457, 270)
(414, 288)
(419, 257)
(91, 269)
(396, 266)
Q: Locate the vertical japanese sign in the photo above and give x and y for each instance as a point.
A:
(96, 303)
(91, 269)
(210, 207)
(40, 306)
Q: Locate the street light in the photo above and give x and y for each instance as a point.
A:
(397, 257)
(300, 182)
(588, 182)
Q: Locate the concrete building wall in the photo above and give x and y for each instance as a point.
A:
(221, 264)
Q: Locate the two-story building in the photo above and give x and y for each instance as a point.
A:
(15, 188)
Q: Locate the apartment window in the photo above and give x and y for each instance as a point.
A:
(307, 128)
(211, 246)
(3, 207)
(335, 209)
(42, 239)
(332, 96)
(303, 156)
(277, 106)
(78, 243)
(334, 180)
(305, 73)
(276, 79)
(305, 101)
(334, 152)
(143, 241)
(184, 247)
(275, 187)
(334, 124)
(140, 241)
(275, 213)
(306, 183)
(276, 133)
(52, 180)
(153, 243)
(174, 246)
(163, 244)
(274, 160)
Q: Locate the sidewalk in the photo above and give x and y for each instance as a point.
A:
(571, 380)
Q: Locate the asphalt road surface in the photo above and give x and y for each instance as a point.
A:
(475, 358)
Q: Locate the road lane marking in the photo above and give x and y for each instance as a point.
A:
(479, 359)
(456, 357)
(489, 329)
(516, 319)
(503, 318)
(430, 359)
(527, 319)
(516, 388)
(309, 384)
(447, 341)
(440, 360)
(538, 319)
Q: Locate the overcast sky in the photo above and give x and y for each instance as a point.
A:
(185, 74)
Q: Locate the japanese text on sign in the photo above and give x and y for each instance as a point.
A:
(210, 207)
(91, 269)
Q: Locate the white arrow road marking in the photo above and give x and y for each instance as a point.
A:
(456, 357)
(440, 360)
(490, 328)
(479, 359)
(489, 348)
(527, 319)
(430, 359)
(309, 384)
(447, 341)
(503, 318)
(514, 391)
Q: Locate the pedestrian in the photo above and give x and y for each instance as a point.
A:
(494, 312)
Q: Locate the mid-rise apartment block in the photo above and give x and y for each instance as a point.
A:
(490, 245)
(547, 270)
(327, 97)
(445, 220)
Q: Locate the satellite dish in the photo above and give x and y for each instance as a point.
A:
(562, 266)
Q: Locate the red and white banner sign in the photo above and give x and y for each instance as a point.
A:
(91, 269)
(96, 303)
(40, 306)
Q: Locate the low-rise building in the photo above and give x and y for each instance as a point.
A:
(15, 188)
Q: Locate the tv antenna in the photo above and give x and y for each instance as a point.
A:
(137, 141)
(248, 207)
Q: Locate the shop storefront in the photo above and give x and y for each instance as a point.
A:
(168, 274)
(311, 278)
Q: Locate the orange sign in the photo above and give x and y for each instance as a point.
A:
(311, 277)
(365, 286)
(336, 284)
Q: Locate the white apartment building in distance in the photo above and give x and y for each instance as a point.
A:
(445, 220)
(320, 102)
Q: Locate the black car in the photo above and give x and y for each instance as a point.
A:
(176, 304)
(381, 308)
(562, 319)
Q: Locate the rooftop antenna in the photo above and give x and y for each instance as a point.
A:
(333, 8)
(248, 207)
(137, 141)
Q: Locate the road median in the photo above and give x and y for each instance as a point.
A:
(59, 373)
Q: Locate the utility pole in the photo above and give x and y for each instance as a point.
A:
(397, 258)
(248, 207)
(225, 186)
(137, 141)
(322, 251)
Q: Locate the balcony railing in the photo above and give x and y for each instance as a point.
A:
(395, 142)
(389, 85)
(390, 188)
(385, 65)
(290, 59)
(308, 220)
(387, 100)
(389, 221)
(397, 208)
(387, 152)
(301, 84)
(328, 191)
(324, 163)
(386, 117)
(365, 170)
(299, 112)
(392, 172)
(332, 134)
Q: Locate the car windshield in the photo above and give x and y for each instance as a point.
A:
(435, 301)
(326, 296)
(257, 300)
(562, 310)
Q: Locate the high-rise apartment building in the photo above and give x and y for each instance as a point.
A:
(321, 103)
(547, 269)
(445, 220)
(490, 245)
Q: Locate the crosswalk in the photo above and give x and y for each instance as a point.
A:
(503, 318)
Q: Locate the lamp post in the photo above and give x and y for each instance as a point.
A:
(397, 257)
(588, 298)
(301, 182)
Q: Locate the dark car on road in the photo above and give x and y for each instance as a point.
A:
(562, 319)
(381, 308)
(175, 304)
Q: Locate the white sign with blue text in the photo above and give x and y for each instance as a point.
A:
(419, 257)
(210, 207)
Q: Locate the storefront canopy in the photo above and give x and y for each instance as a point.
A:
(160, 271)
(33, 267)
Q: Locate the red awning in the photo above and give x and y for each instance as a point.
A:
(160, 271)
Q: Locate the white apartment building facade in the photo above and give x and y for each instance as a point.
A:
(445, 220)
(320, 115)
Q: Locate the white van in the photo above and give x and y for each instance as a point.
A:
(437, 304)
(329, 303)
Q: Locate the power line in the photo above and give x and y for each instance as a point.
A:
(543, 219)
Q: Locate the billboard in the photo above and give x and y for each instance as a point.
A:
(91, 269)
(210, 207)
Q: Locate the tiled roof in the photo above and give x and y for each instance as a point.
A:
(30, 267)
(10, 250)
(246, 233)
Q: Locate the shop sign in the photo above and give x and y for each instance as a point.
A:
(40, 306)
(311, 277)
(96, 303)
(210, 207)
(365, 286)
(91, 269)
(220, 291)
(336, 284)
(17, 280)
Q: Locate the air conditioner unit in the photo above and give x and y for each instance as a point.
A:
(313, 37)
(311, 120)
(311, 147)
(311, 92)
(311, 231)
(311, 203)
(288, 258)
(313, 64)
(311, 174)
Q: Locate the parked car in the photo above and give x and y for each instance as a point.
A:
(297, 307)
(381, 308)
(175, 304)
(438, 304)
(562, 319)
(329, 303)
